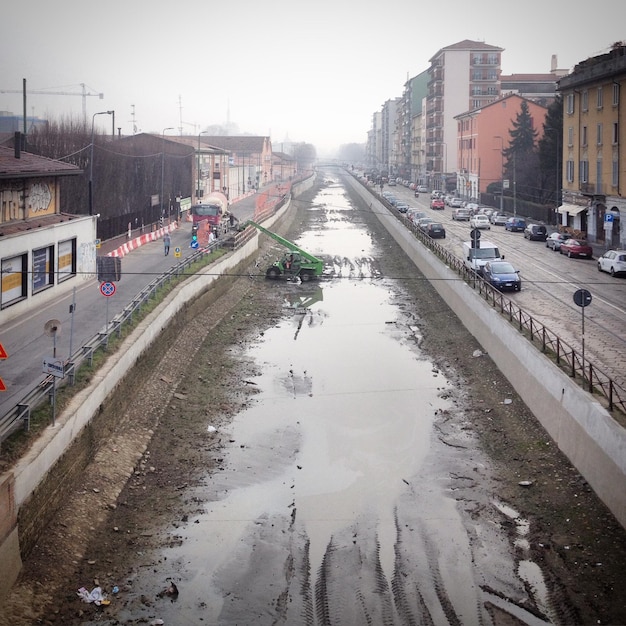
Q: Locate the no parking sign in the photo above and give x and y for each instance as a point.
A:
(107, 289)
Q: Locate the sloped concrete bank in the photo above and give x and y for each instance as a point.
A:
(33, 490)
(582, 428)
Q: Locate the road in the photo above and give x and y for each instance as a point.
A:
(26, 341)
(549, 282)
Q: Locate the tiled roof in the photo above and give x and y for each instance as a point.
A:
(468, 44)
(548, 78)
(15, 227)
(31, 165)
(235, 143)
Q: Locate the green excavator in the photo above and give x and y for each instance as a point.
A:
(296, 263)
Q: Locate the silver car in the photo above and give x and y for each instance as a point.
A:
(555, 240)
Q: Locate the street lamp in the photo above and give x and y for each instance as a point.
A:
(93, 118)
(163, 163)
(501, 172)
(198, 167)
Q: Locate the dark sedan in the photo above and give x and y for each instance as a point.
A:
(577, 248)
(435, 230)
(502, 275)
(555, 240)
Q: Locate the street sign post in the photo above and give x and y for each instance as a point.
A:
(582, 298)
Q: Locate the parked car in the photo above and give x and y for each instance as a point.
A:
(414, 214)
(392, 182)
(535, 232)
(577, 248)
(437, 204)
(515, 224)
(461, 215)
(480, 221)
(498, 219)
(420, 222)
(502, 275)
(555, 240)
(435, 230)
(613, 262)
(403, 207)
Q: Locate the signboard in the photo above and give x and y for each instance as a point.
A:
(53, 366)
(608, 221)
(505, 184)
(177, 252)
(107, 289)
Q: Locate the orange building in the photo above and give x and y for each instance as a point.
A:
(482, 135)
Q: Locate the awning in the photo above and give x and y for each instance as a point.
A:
(572, 209)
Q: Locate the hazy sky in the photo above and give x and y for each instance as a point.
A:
(312, 72)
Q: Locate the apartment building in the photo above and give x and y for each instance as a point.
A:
(594, 136)
(462, 77)
(483, 135)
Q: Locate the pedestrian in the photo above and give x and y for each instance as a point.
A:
(167, 240)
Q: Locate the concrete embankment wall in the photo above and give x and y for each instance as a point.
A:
(582, 428)
(37, 472)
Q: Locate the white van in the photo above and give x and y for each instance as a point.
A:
(475, 258)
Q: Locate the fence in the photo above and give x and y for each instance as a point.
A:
(568, 358)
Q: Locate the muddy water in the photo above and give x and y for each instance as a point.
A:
(348, 485)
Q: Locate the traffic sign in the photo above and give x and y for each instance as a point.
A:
(3, 352)
(3, 387)
(582, 298)
(608, 217)
(107, 289)
(54, 366)
(177, 252)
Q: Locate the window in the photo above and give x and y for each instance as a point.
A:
(477, 75)
(615, 94)
(43, 268)
(599, 176)
(615, 173)
(570, 136)
(66, 260)
(600, 97)
(570, 171)
(570, 103)
(584, 105)
(14, 274)
(615, 134)
(583, 141)
(584, 172)
(599, 134)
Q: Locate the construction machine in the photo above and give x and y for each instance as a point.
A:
(296, 263)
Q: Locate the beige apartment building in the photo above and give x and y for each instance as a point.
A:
(594, 136)
(462, 77)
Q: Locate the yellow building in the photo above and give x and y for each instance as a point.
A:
(594, 136)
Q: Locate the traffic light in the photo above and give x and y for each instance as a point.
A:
(194, 236)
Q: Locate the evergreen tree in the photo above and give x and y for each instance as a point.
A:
(522, 161)
(550, 153)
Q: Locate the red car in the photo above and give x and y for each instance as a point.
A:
(574, 247)
(437, 204)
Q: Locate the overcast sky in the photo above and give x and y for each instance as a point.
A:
(312, 72)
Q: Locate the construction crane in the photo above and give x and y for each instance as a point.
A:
(84, 93)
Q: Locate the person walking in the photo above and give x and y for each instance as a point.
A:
(167, 241)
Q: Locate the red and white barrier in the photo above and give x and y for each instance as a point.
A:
(133, 244)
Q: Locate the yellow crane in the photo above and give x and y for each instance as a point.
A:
(84, 93)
